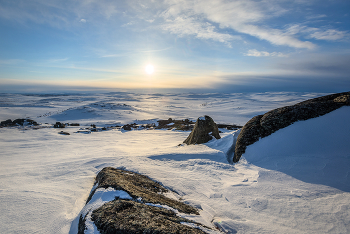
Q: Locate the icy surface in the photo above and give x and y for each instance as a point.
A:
(294, 181)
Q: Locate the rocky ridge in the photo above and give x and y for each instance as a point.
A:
(264, 125)
(144, 213)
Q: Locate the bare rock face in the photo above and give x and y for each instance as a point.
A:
(142, 213)
(204, 130)
(264, 125)
(124, 216)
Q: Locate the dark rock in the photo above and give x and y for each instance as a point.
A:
(64, 133)
(169, 124)
(74, 124)
(127, 127)
(24, 122)
(123, 216)
(18, 122)
(82, 225)
(204, 130)
(59, 125)
(7, 123)
(137, 215)
(264, 125)
(164, 123)
(136, 186)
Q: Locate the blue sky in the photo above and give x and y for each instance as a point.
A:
(237, 45)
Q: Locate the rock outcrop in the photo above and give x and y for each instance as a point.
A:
(143, 213)
(18, 122)
(204, 130)
(264, 125)
(59, 125)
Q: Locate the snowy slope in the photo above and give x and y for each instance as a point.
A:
(294, 181)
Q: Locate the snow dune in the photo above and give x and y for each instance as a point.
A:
(294, 181)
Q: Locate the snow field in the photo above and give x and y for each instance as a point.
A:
(294, 181)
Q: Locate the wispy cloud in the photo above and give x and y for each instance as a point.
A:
(57, 60)
(329, 35)
(243, 16)
(184, 26)
(317, 33)
(256, 53)
(218, 20)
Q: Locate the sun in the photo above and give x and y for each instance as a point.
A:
(149, 69)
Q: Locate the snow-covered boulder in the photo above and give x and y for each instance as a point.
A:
(264, 125)
(126, 202)
(204, 130)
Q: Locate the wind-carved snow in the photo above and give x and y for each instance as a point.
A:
(278, 186)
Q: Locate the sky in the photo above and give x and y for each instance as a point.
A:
(209, 45)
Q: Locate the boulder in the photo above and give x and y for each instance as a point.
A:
(127, 127)
(264, 125)
(59, 125)
(141, 214)
(204, 130)
(7, 123)
(19, 122)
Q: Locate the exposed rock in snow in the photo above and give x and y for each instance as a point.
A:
(125, 216)
(18, 122)
(264, 125)
(144, 209)
(204, 130)
(59, 125)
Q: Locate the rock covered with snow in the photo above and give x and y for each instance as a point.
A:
(264, 125)
(204, 130)
(144, 209)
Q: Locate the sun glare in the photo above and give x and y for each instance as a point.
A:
(149, 69)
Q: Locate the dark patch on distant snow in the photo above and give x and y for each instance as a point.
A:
(18, 122)
(111, 106)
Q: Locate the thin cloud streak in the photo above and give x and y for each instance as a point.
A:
(242, 16)
(256, 53)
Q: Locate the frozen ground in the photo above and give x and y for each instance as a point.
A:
(294, 181)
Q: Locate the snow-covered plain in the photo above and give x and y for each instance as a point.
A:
(294, 181)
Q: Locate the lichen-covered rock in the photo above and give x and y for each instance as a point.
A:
(204, 130)
(264, 125)
(137, 186)
(125, 216)
(143, 213)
